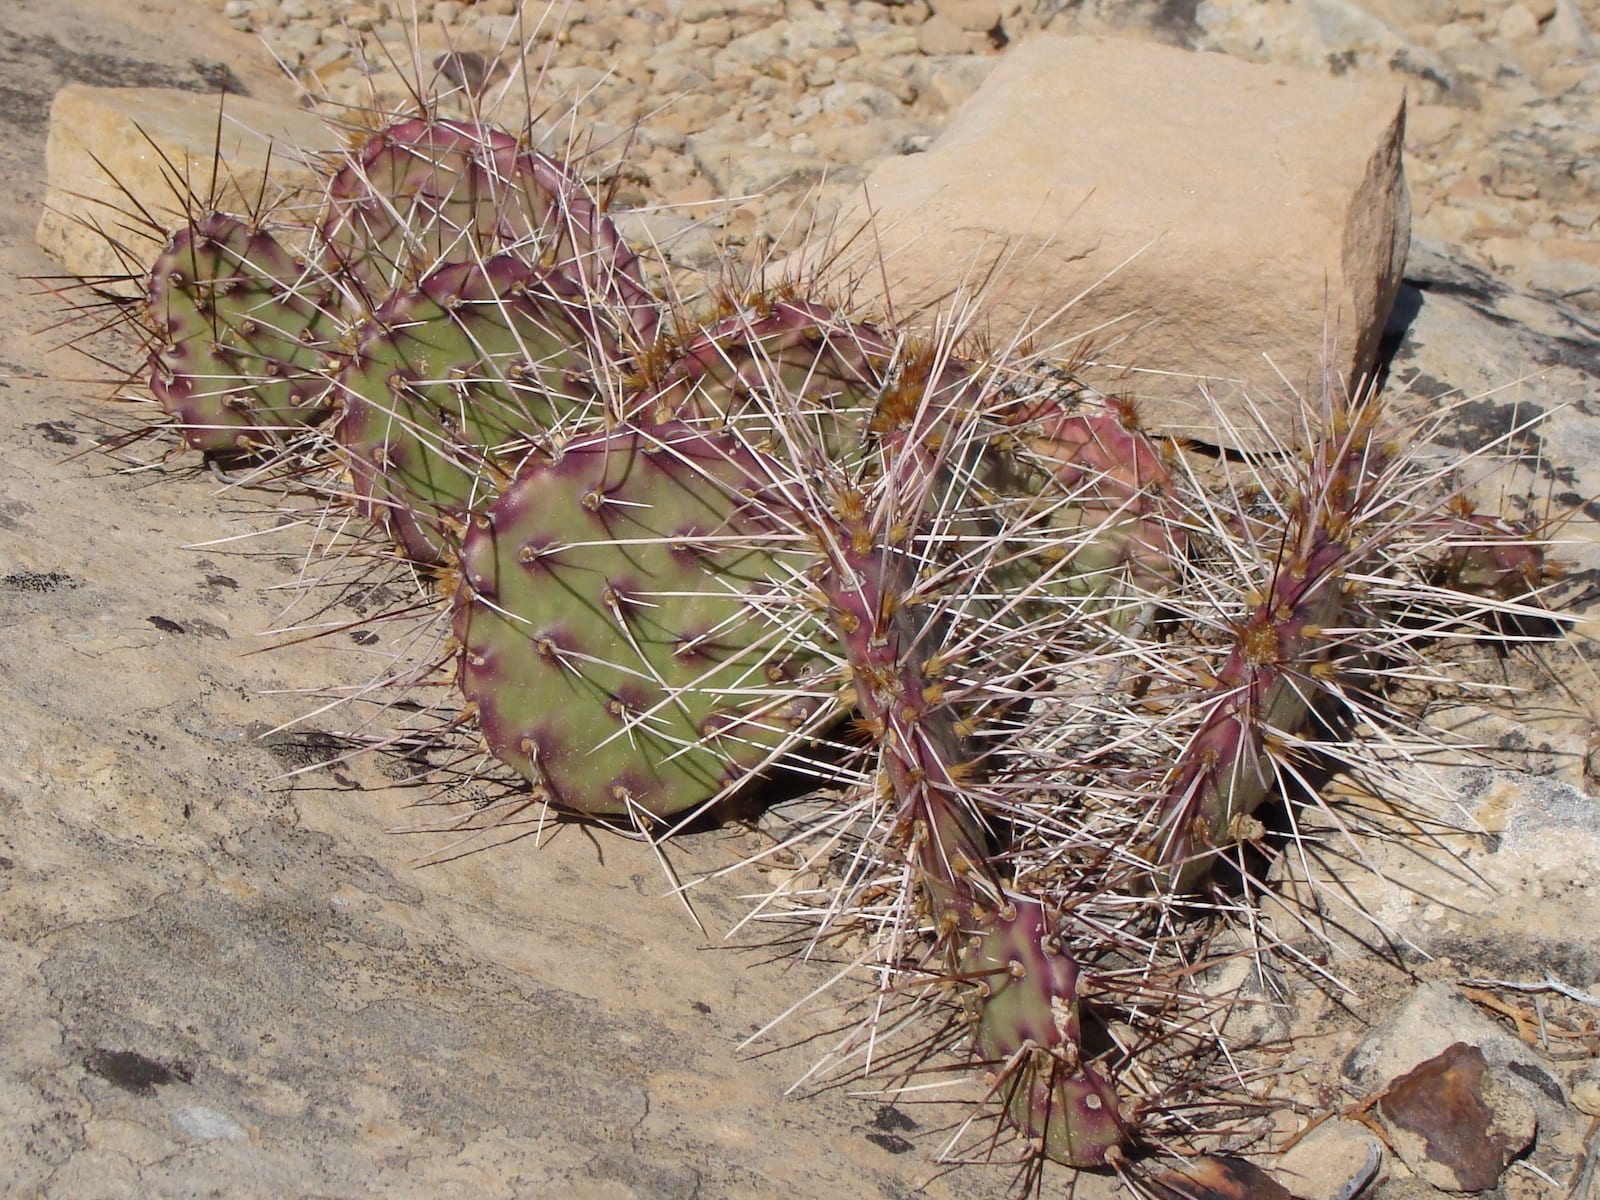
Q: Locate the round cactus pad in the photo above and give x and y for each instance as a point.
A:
(621, 623)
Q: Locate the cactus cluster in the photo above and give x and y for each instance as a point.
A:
(1052, 662)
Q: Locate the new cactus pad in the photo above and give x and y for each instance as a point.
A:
(426, 191)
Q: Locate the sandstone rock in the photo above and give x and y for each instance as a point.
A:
(112, 151)
(1515, 894)
(1200, 244)
(1572, 280)
(1335, 1161)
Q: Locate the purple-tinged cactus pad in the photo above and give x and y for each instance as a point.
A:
(427, 191)
(621, 623)
(241, 328)
(788, 353)
(453, 384)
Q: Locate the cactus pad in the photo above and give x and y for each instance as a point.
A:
(452, 385)
(608, 634)
(241, 329)
(427, 191)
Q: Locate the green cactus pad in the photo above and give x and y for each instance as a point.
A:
(452, 385)
(609, 638)
(241, 329)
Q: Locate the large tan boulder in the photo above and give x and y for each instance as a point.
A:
(1200, 221)
(115, 154)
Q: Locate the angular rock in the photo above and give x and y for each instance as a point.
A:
(1319, 34)
(114, 151)
(1201, 244)
(1454, 1122)
(1437, 1017)
(1335, 1161)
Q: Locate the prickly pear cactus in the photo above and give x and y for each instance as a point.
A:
(1029, 1033)
(610, 642)
(1074, 659)
(453, 384)
(241, 329)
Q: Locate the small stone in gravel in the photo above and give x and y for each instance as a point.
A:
(240, 13)
(1454, 1122)
(940, 35)
(1335, 1161)
(467, 69)
(1517, 24)
(1585, 1091)
(797, 40)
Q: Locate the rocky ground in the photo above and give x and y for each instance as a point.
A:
(226, 979)
(798, 98)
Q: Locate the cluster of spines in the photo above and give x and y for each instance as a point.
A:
(682, 553)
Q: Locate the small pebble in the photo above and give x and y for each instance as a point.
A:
(1585, 1091)
(208, 1124)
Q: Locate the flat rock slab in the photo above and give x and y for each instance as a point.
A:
(116, 152)
(1200, 221)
